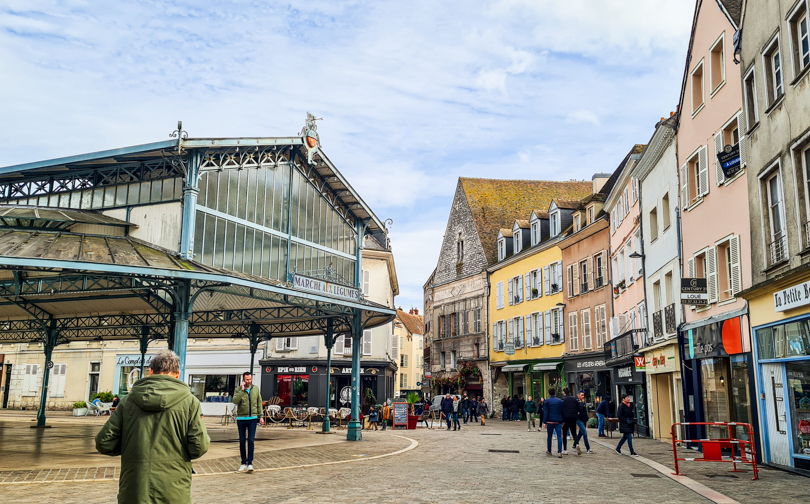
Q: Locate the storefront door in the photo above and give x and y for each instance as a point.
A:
(773, 386)
(662, 384)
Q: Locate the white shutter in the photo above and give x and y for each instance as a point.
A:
(519, 289)
(27, 379)
(576, 279)
(294, 343)
(510, 293)
(520, 334)
(570, 277)
(500, 295)
(718, 148)
(572, 327)
(366, 282)
(711, 267)
(56, 386)
(367, 342)
(741, 129)
(685, 185)
(591, 278)
(546, 281)
(279, 344)
(539, 282)
(529, 342)
(614, 327)
(561, 326)
(703, 173)
(548, 326)
(691, 267)
(494, 336)
(540, 328)
(528, 286)
(510, 338)
(339, 347)
(559, 274)
(586, 329)
(734, 252)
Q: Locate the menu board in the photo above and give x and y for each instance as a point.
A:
(401, 414)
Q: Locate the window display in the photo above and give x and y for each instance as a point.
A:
(293, 389)
(798, 375)
(214, 388)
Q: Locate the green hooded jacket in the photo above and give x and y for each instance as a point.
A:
(158, 430)
(248, 404)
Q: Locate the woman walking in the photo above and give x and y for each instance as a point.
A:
(456, 407)
(627, 420)
(482, 410)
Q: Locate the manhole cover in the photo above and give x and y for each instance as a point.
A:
(639, 475)
(721, 476)
(504, 451)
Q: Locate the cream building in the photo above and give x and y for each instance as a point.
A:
(409, 333)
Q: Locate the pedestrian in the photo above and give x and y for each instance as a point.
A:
(473, 409)
(540, 410)
(521, 410)
(570, 414)
(627, 420)
(505, 408)
(482, 410)
(552, 420)
(158, 430)
(447, 409)
(456, 408)
(373, 418)
(514, 406)
(465, 409)
(248, 402)
(530, 408)
(582, 424)
(602, 413)
(386, 414)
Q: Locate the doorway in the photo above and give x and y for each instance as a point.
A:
(663, 406)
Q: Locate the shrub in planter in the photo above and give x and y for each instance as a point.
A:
(593, 423)
(79, 405)
(79, 408)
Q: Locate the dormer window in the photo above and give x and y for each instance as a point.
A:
(535, 233)
(554, 224)
(590, 215)
(501, 249)
(577, 225)
(517, 241)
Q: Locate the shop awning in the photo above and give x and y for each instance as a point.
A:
(513, 367)
(545, 366)
(717, 318)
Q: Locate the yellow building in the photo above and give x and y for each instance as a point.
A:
(409, 333)
(525, 307)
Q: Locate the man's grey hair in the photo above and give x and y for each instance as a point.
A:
(165, 362)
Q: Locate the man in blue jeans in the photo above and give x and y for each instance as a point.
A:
(582, 423)
(602, 411)
(248, 402)
(552, 420)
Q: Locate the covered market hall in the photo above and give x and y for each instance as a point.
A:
(247, 239)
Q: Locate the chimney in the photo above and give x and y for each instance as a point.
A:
(599, 180)
(414, 311)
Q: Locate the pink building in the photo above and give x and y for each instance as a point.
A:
(716, 243)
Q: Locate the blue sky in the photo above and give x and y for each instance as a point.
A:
(413, 94)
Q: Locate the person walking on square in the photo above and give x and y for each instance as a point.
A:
(514, 407)
(482, 410)
(373, 418)
(570, 413)
(447, 409)
(601, 413)
(248, 402)
(627, 421)
(465, 409)
(521, 411)
(505, 408)
(456, 408)
(473, 409)
(582, 423)
(552, 420)
(386, 414)
(530, 408)
(158, 430)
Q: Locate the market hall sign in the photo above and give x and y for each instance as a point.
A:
(729, 160)
(323, 287)
(792, 297)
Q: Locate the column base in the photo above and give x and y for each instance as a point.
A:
(355, 432)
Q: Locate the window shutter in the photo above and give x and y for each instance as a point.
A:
(703, 172)
(539, 282)
(509, 293)
(586, 329)
(510, 338)
(367, 342)
(741, 129)
(691, 267)
(572, 328)
(500, 295)
(561, 326)
(685, 185)
(279, 344)
(548, 325)
(718, 148)
(494, 336)
(590, 279)
(529, 338)
(539, 328)
(711, 266)
(559, 274)
(576, 279)
(546, 281)
(520, 335)
(339, 347)
(734, 252)
(519, 289)
(528, 285)
(294, 343)
(570, 274)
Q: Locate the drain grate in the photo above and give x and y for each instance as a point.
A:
(640, 475)
(489, 434)
(712, 476)
(504, 451)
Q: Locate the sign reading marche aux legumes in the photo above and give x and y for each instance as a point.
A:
(792, 297)
(729, 159)
(323, 287)
(694, 291)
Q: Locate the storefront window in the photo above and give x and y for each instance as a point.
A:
(798, 375)
(715, 395)
(127, 376)
(641, 405)
(213, 388)
(293, 389)
(765, 343)
(740, 400)
(787, 340)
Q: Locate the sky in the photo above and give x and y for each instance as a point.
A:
(413, 95)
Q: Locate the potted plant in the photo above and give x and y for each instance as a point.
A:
(413, 419)
(79, 408)
(534, 293)
(554, 287)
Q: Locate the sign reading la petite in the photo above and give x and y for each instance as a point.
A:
(792, 297)
(315, 285)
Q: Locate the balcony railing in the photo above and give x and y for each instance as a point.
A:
(600, 282)
(669, 318)
(555, 288)
(584, 288)
(658, 324)
(500, 345)
(625, 345)
(777, 250)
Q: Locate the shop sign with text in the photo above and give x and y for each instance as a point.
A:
(792, 297)
(324, 287)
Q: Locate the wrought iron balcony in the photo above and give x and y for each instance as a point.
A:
(669, 318)
(658, 324)
(625, 345)
(584, 288)
(777, 250)
(600, 282)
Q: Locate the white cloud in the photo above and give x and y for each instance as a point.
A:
(583, 116)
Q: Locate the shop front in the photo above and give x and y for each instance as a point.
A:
(302, 383)
(629, 379)
(128, 371)
(662, 367)
(717, 376)
(590, 375)
(214, 376)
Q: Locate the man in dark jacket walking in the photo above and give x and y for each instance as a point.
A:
(465, 408)
(514, 407)
(627, 421)
(570, 412)
(505, 408)
(158, 430)
(582, 424)
(552, 420)
(447, 409)
(602, 412)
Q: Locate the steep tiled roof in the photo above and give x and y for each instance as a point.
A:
(506, 233)
(413, 323)
(567, 204)
(540, 214)
(495, 204)
(522, 223)
(734, 9)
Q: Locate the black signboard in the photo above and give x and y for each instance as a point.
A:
(729, 160)
(694, 291)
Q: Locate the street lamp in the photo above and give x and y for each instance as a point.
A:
(636, 255)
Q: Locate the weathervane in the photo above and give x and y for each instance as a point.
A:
(310, 134)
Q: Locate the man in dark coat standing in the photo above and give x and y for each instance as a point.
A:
(514, 408)
(627, 423)
(552, 420)
(447, 409)
(570, 412)
(465, 408)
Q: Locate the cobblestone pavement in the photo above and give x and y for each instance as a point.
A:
(455, 467)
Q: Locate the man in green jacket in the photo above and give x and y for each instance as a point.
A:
(158, 430)
(248, 403)
(530, 408)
